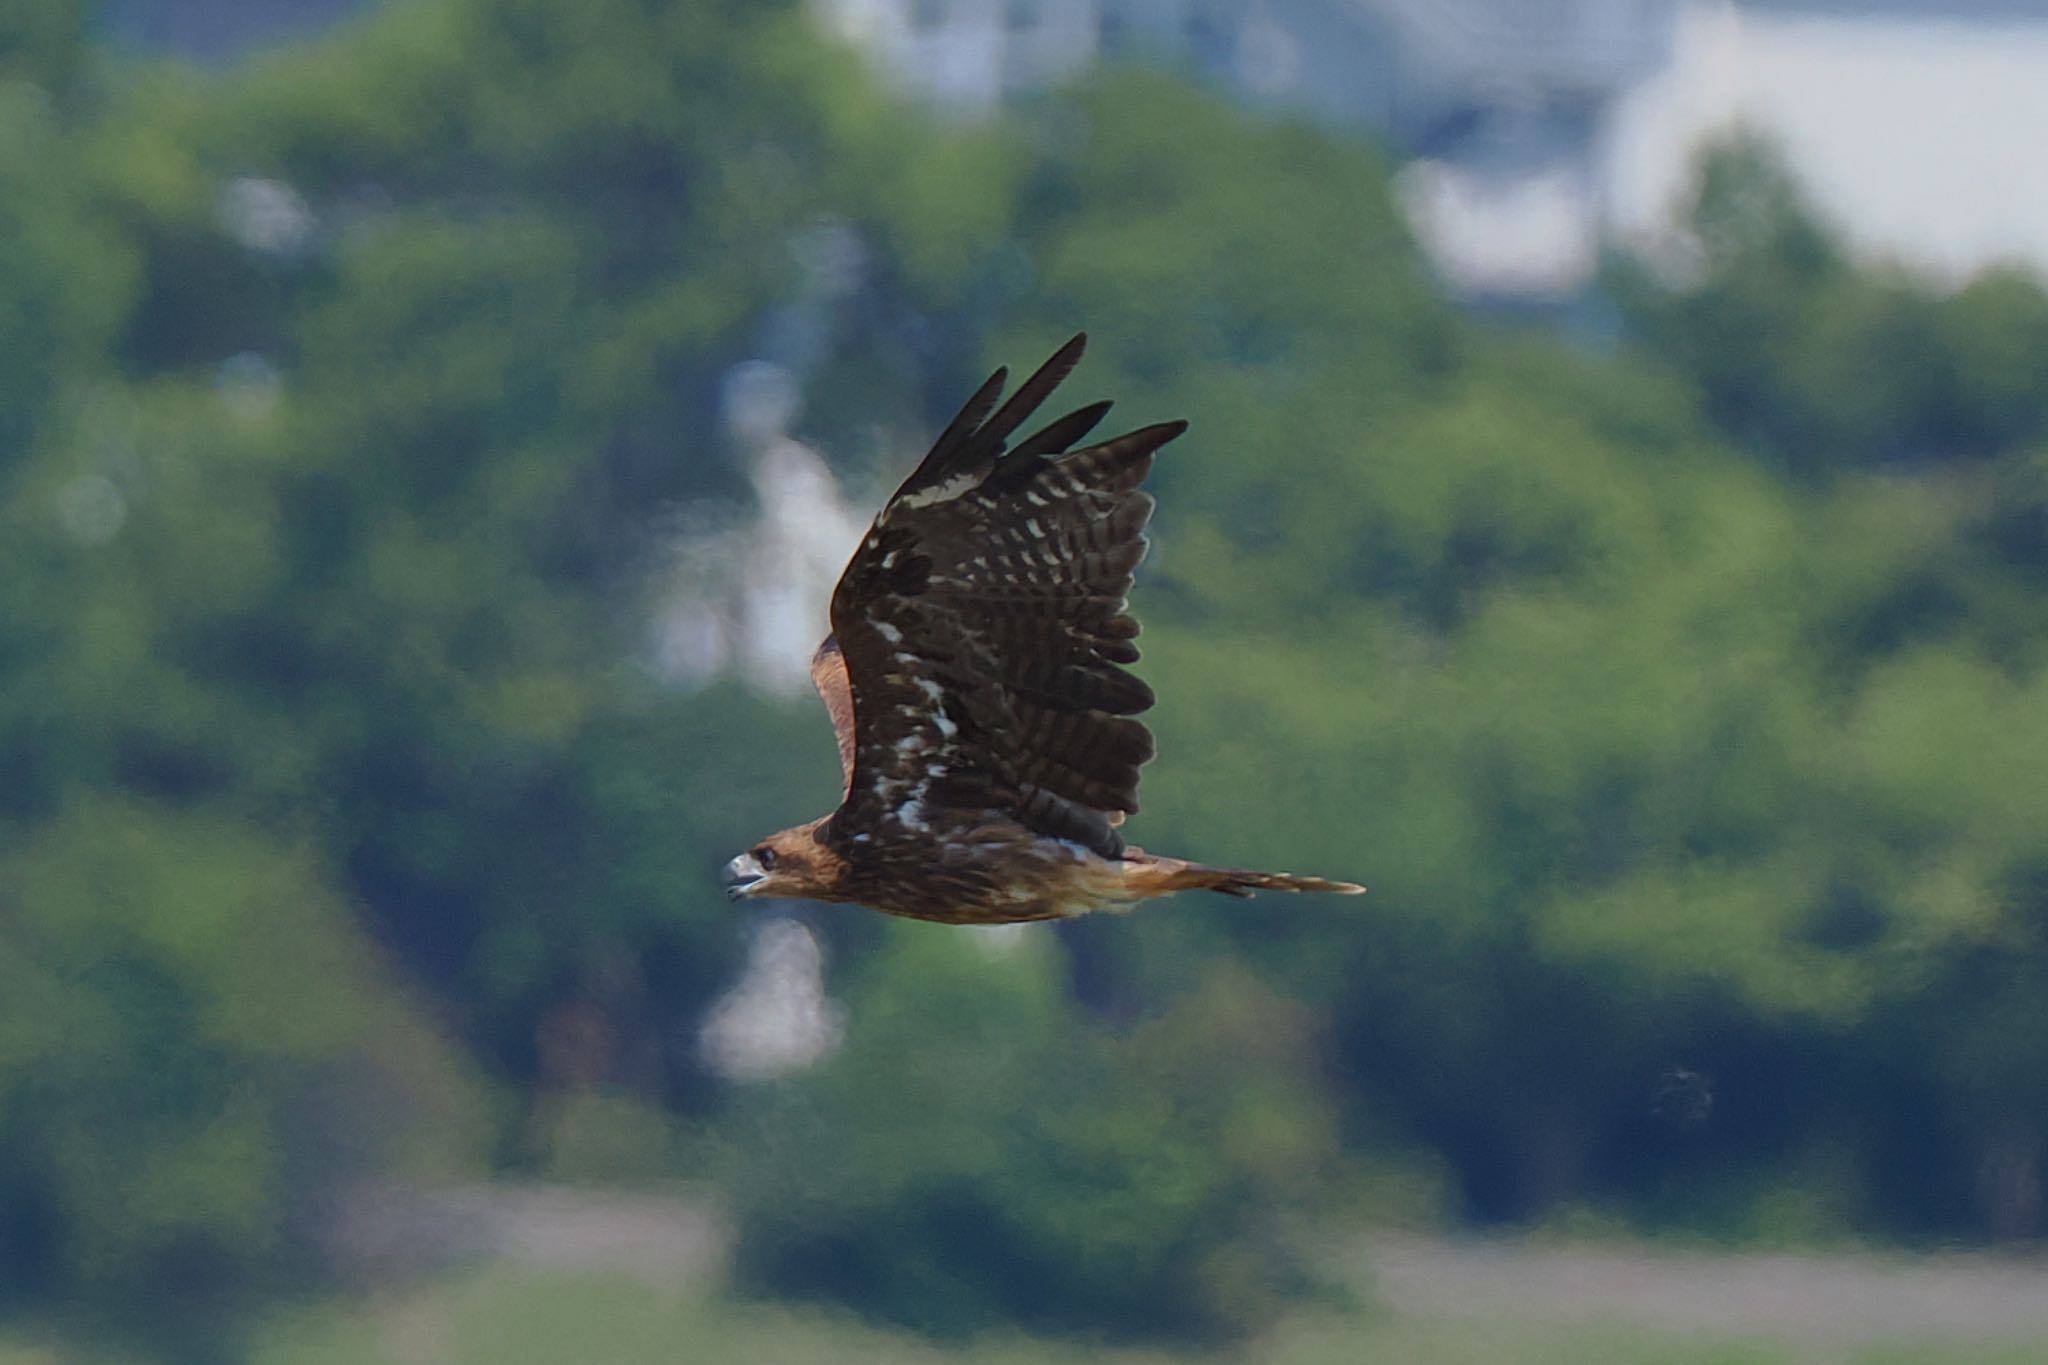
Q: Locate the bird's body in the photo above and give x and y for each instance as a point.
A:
(975, 677)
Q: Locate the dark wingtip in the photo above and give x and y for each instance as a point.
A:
(1057, 437)
(974, 435)
(955, 441)
(1032, 392)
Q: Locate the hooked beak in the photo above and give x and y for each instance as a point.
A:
(742, 875)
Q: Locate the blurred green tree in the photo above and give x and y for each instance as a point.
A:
(186, 1018)
(325, 463)
(977, 1156)
(45, 44)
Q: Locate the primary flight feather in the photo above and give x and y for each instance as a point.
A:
(975, 676)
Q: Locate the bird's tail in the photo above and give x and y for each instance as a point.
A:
(1154, 876)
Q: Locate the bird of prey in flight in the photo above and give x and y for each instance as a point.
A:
(975, 676)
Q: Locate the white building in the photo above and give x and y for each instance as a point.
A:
(1537, 130)
(1499, 102)
(1916, 128)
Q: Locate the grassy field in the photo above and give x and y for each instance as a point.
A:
(626, 1278)
(507, 1316)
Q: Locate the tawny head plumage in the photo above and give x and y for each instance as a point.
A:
(791, 862)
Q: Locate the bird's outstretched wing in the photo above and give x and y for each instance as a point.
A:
(982, 630)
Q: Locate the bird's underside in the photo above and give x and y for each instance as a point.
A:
(975, 678)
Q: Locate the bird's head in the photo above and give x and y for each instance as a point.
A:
(792, 863)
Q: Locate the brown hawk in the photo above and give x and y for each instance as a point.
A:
(975, 676)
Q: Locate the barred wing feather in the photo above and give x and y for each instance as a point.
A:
(984, 630)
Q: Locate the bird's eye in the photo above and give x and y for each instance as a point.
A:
(765, 856)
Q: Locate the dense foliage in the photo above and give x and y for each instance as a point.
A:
(976, 1155)
(1686, 707)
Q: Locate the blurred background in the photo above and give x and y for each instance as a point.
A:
(1614, 526)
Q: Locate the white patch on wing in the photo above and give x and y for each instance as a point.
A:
(889, 633)
(929, 688)
(940, 492)
(946, 728)
(911, 813)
